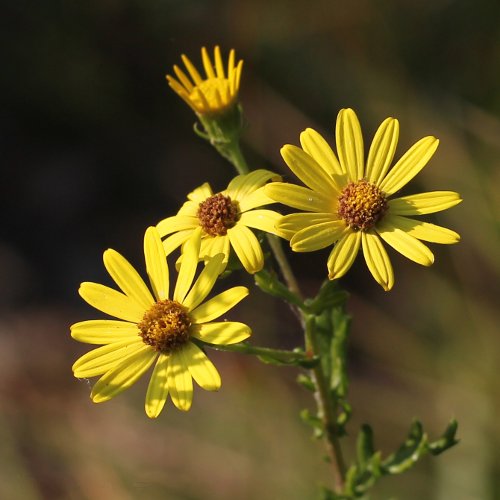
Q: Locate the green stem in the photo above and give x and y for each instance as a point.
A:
(284, 265)
(282, 355)
(235, 156)
(327, 408)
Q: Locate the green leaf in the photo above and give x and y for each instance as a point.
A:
(446, 441)
(410, 451)
(314, 421)
(328, 494)
(271, 285)
(306, 382)
(350, 480)
(330, 295)
(343, 416)
(289, 358)
(338, 347)
(364, 446)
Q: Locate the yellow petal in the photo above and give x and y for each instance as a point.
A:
(264, 220)
(180, 383)
(298, 197)
(221, 333)
(176, 240)
(103, 331)
(409, 165)
(244, 185)
(205, 282)
(102, 359)
(314, 144)
(219, 66)
(189, 263)
(236, 85)
(309, 171)
(212, 246)
(192, 70)
(207, 63)
(377, 260)
(156, 263)
(230, 63)
(316, 237)
(288, 225)
(256, 199)
(183, 78)
(424, 230)
(123, 375)
(405, 244)
(424, 203)
(111, 302)
(247, 248)
(343, 255)
(127, 278)
(201, 368)
(176, 223)
(157, 393)
(350, 144)
(189, 208)
(382, 151)
(218, 305)
(201, 193)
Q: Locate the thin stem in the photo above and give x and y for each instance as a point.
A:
(327, 408)
(281, 355)
(284, 265)
(235, 156)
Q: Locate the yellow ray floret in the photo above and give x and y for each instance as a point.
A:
(216, 91)
(156, 327)
(348, 203)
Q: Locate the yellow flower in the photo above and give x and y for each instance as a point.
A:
(349, 204)
(213, 94)
(225, 219)
(154, 329)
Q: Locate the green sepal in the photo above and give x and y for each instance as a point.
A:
(221, 129)
(270, 284)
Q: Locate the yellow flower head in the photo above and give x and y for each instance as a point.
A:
(215, 93)
(225, 219)
(348, 203)
(156, 329)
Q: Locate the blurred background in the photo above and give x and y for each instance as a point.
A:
(95, 147)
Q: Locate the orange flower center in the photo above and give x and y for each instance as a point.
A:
(217, 214)
(361, 205)
(165, 326)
